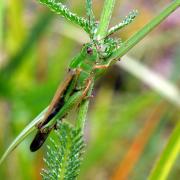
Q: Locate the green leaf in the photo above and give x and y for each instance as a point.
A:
(64, 155)
(127, 20)
(25, 132)
(62, 10)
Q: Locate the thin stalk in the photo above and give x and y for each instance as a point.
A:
(132, 41)
(83, 109)
(105, 18)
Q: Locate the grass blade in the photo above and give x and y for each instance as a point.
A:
(25, 132)
(168, 157)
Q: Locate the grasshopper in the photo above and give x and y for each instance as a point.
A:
(73, 90)
(83, 68)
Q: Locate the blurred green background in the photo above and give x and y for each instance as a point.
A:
(129, 120)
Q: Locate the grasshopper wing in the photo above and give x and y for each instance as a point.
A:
(54, 107)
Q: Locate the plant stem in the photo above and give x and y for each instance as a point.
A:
(81, 119)
(82, 115)
(105, 18)
(132, 41)
(101, 32)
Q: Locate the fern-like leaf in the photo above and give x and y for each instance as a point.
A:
(64, 157)
(61, 9)
(127, 20)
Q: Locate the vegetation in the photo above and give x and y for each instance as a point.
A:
(109, 134)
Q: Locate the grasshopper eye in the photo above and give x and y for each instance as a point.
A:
(89, 51)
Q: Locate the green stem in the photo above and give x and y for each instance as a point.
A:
(105, 18)
(132, 41)
(83, 109)
(82, 115)
(168, 157)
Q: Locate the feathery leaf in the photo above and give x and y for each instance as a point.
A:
(61, 9)
(127, 20)
(64, 157)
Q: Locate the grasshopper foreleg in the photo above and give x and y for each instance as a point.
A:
(104, 66)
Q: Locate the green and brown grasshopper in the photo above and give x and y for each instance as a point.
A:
(74, 89)
(79, 81)
(81, 75)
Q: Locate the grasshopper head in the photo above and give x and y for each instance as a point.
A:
(90, 52)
